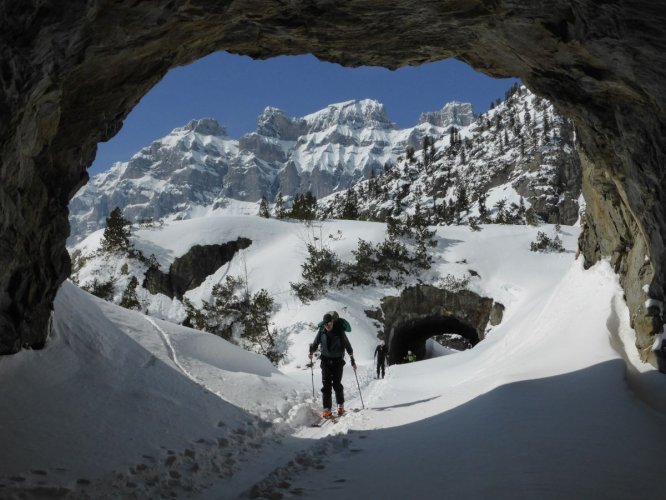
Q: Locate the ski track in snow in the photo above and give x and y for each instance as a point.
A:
(171, 351)
(319, 444)
(306, 452)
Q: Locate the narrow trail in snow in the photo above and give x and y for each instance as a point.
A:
(170, 350)
(319, 444)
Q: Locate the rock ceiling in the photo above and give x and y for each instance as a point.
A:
(70, 74)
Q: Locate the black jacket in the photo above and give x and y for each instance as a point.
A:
(380, 352)
(333, 343)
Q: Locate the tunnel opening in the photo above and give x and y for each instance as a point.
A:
(84, 96)
(422, 337)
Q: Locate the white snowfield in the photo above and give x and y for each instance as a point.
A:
(552, 404)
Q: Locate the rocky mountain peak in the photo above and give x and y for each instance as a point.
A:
(458, 114)
(204, 126)
(192, 168)
(365, 113)
(274, 122)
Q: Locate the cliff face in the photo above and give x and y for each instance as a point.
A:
(70, 75)
(190, 270)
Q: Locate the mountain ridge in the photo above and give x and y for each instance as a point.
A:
(197, 167)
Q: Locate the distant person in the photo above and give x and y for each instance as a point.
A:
(380, 354)
(410, 357)
(333, 342)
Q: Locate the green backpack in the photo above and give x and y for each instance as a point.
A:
(345, 324)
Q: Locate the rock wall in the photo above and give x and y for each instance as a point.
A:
(190, 270)
(70, 72)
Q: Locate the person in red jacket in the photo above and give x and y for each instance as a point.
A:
(333, 342)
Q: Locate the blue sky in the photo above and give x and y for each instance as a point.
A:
(235, 90)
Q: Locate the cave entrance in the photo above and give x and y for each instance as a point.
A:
(413, 335)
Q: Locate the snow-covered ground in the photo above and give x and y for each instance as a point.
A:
(552, 404)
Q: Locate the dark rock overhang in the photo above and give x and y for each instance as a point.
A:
(70, 75)
(191, 269)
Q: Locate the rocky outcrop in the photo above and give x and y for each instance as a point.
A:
(190, 270)
(71, 74)
(453, 114)
(425, 311)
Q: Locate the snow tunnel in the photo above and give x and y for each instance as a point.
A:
(412, 335)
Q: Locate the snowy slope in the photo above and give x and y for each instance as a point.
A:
(521, 152)
(122, 405)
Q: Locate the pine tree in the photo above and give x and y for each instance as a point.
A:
(256, 323)
(280, 209)
(542, 243)
(102, 289)
(393, 228)
(473, 223)
(528, 116)
(304, 207)
(410, 154)
(373, 190)
(296, 207)
(423, 236)
(129, 299)
(319, 270)
(194, 318)
(462, 202)
(263, 208)
(452, 136)
(116, 233)
(531, 217)
(350, 208)
(359, 272)
(227, 306)
(428, 153)
(521, 211)
(483, 210)
(392, 257)
(450, 211)
(501, 216)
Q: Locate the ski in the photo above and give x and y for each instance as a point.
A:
(333, 419)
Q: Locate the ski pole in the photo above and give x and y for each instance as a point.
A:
(312, 372)
(359, 388)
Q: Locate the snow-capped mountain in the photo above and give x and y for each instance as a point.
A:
(515, 164)
(196, 168)
(458, 114)
(167, 178)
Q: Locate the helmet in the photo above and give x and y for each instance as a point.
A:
(409, 352)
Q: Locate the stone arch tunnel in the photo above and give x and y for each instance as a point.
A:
(70, 75)
(411, 335)
(423, 311)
